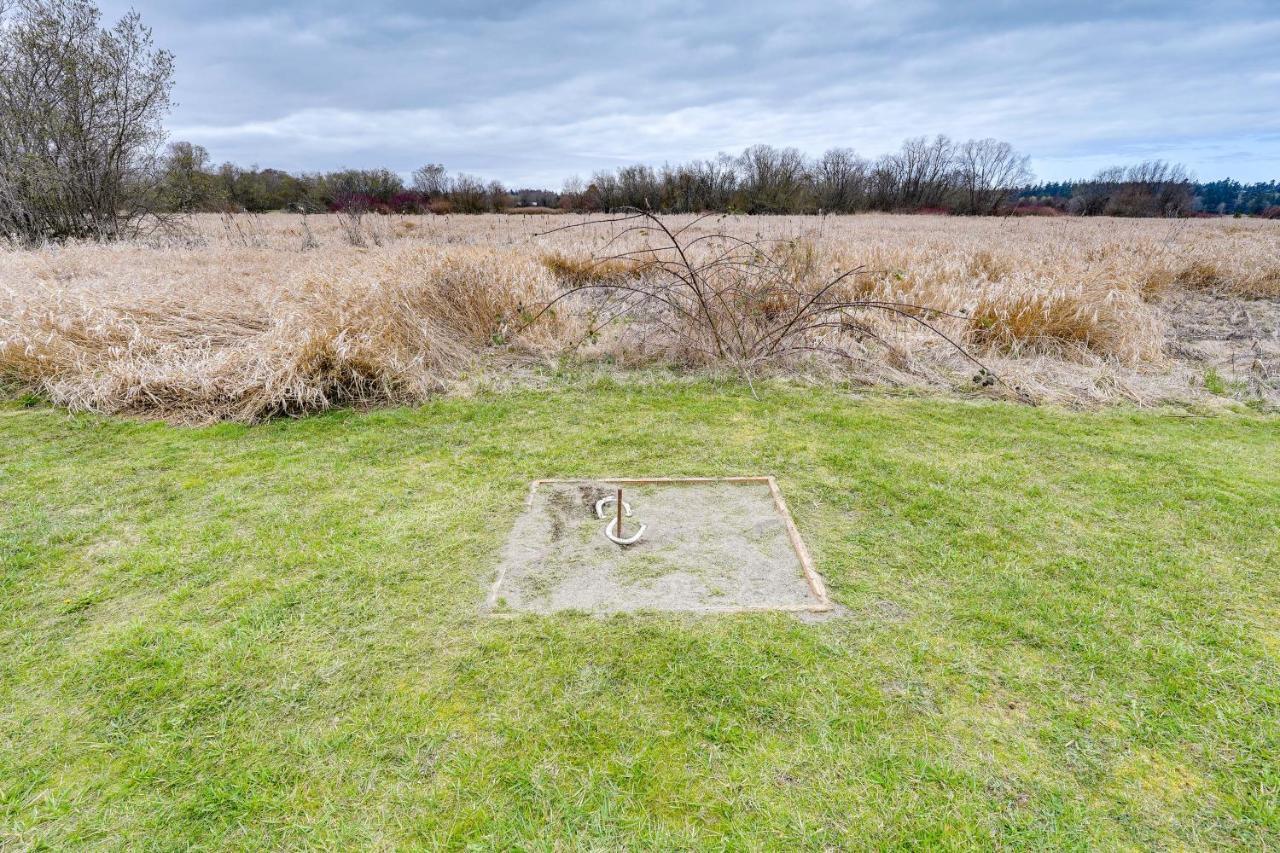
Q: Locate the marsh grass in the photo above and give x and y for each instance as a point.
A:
(244, 318)
(392, 327)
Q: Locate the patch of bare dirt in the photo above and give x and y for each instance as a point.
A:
(1237, 338)
(708, 547)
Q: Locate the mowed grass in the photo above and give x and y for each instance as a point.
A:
(1062, 631)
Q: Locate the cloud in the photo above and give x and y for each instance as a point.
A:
(530, 92)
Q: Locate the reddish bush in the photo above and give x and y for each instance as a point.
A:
(409, 201)
(1272, 212)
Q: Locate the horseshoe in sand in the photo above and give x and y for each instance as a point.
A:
(600, 505)
(612, 526)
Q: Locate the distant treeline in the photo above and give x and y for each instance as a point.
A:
(1106, 190)
(974, 177)
(977, 177)
(189, 182)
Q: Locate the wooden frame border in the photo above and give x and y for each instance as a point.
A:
(816, 584)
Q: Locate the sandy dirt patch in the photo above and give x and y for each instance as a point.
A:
(708, 547)
(1238, 338)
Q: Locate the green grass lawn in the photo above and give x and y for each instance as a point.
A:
(1062, 631)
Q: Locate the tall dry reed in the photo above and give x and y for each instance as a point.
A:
(250, 317)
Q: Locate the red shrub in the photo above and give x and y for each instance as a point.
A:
(409, 202)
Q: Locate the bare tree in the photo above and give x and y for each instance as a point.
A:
(362, 187)
(920, 172)
(1091, 198)
(987, 173)
(718, 179)
(638, 187)
(774, 180)
(80, 121)
(605, 190)
(840, 180)
(431, 180)
(1155, 188)
(571, 192)
(468, 194)
(499, 199)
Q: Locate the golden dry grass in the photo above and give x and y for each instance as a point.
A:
(583, 270)
(254, 316)
(249, 334)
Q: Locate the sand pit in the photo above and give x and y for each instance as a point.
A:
(710, 546)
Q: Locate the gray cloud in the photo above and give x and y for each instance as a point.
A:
(530, 92)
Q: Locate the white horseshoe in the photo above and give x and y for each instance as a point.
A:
(626, 507)
(612, 525)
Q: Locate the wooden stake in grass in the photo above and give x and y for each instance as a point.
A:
(618, 531)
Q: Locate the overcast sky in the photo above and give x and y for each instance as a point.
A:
(529, 92)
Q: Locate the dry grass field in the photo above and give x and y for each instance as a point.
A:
(247, 317)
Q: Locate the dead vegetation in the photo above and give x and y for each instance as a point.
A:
(714, 298)
(281, 314)
(586, 271)
(1072, 323)
(393, 327)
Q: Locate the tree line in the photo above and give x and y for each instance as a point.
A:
(977, 177)
(1113, 192)
(974, 177)
(188, 182)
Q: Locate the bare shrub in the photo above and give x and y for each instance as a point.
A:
(309, 240)
(721, 299)
(80, 122)
(351, 221)
(242, 229)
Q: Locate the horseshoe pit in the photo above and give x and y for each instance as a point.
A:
(700, 545)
